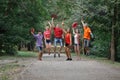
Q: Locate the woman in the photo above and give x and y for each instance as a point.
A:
(68, 43)
(77, 43)
(47, 37)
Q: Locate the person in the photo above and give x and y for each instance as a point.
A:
(87, 36)
(68, 43)
(58, 32)
(47, 38)
(39, 39)
(77, 43)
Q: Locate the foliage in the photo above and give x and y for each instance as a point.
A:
(16, 19)
(18, 16)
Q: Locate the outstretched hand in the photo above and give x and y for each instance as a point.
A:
(32, 30)
(63, 23)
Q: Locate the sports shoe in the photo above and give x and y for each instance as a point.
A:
(67, 59)
(54, 55)
(70, 59)
(58, 54)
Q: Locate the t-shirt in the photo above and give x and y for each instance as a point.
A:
(47, 34)
(77, 39)
(87, 32)
(38, 38)
(58, 32)
(67, 38)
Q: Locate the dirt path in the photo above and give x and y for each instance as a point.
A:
(59, 69)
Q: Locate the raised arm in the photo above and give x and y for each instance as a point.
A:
(64, 31)
(82, 22)
(53, 25)
(50, 25)
(63, 27)
(34, 34)
(73, 30)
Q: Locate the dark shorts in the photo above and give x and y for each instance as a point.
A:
(48, 41)
(77, 45)
(39, 48)
(86, 43)
(67, 45)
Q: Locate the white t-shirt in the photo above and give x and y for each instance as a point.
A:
(75, 39)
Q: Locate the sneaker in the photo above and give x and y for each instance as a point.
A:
(49, 53)
(58, 54)
(67, 59)
(70, 59)
(54, 55)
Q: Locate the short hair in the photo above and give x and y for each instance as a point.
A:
(39, 31)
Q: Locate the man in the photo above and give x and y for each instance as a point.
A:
(39, 39)
(58, 32)
(87, 36)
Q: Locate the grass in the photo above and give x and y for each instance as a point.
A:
(8, 70)
(102, 60)
(26, 54)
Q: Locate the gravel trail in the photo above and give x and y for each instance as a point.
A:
(60, 69)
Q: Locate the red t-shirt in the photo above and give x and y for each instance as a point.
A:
(47, 34)
(67, 38)
(58, 32)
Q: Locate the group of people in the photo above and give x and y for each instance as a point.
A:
(62, 34)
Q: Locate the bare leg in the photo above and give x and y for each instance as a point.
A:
(59, 51)
(66, 52)
(78, 52)
(75, 49)
(69, 54)
(40, 55)
(49, 48)
(54, 51)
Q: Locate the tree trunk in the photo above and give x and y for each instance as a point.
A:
(112, 45)
(113, 51)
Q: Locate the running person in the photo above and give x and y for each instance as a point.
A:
(47, 38)
(87, 36)
(77, 43)
(58, 32)
(39, 39)
(68, 43)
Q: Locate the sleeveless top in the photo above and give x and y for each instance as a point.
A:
(67, 38)
(76, 40)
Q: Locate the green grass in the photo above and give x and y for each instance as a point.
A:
(26, 54)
